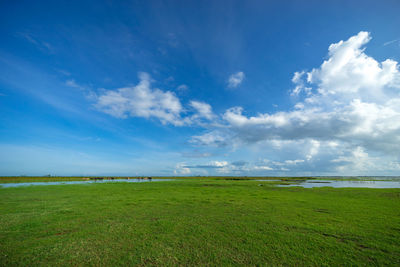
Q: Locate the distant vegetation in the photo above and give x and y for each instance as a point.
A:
(20, 179)
(17, 179)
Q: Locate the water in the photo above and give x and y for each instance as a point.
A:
(305, 184)
(362, 178)
(341, 184)
(7, 185)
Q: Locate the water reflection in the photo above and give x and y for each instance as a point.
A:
(341, 184)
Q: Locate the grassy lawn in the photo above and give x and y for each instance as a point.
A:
(198, 222)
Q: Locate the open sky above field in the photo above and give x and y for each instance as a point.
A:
(200, 87)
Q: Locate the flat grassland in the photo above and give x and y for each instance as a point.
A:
(197, 222)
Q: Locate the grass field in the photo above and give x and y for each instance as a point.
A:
(198, 222)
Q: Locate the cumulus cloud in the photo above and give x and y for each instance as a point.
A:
(220, 167)
(146, 102)
(216, 138)
(240, 167)
(263, 168)
(350, 98)
(358, 159)
(298, 80)
(181, 169)
(142, 101)
(236, 79)
(203, 110)
(210, 165)
(350, 73)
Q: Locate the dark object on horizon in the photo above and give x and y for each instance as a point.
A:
(96, 178)
(145, 178)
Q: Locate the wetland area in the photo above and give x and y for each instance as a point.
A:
(198, 221)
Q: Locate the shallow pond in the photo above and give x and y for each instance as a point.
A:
(341, 184)
(6, 185)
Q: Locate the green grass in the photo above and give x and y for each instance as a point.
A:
(198, 222)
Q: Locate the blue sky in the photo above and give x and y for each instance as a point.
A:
(199, 88)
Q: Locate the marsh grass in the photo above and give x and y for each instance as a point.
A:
(198, 222)
(24, 179)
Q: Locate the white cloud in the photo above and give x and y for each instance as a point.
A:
(141, 101)
(72, 83)
(203, 110)
(219, 164)
(213, 138)
(350, 73)
(236, 79)
(356, 100)
(298, 80)
(358, 160)
(180, 169)
(213, 166)
(391, 42)
(333, 159)
(294, 162)
(182, 87)
(144, 101)
(314, 149)
(262, 168)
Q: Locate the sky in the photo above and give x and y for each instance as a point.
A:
(168, 88)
